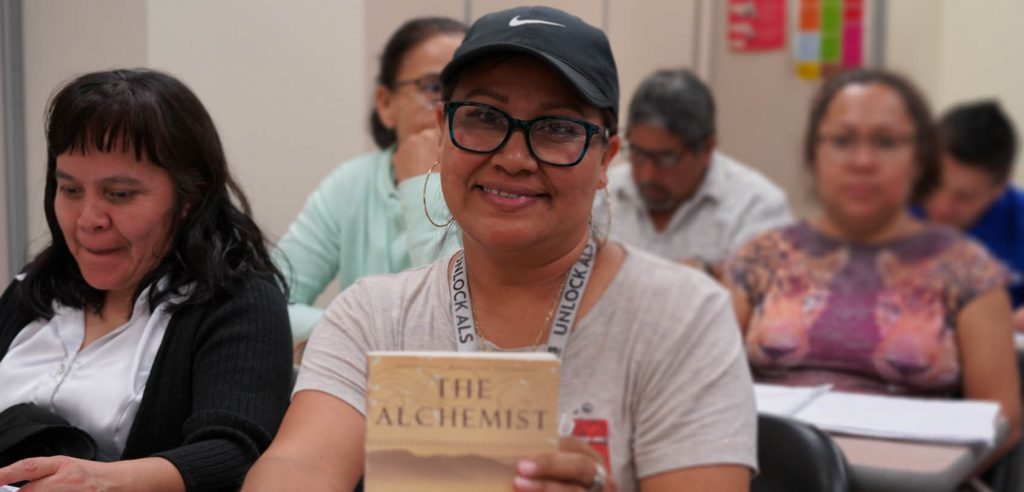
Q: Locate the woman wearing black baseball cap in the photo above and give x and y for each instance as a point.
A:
(530, 105)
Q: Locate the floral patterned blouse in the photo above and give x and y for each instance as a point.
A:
(871, 318)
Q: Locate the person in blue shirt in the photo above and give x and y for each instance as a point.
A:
(977, 146)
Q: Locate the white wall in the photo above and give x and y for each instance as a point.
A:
(64, 38)
(954, 50)
(961, 51)
(277, 77)
(647, 36)
(981, 58)
(282, 81)
(762, 109)
(288, 83)
(913, 35)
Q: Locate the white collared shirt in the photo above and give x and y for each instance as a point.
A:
(733, 203)
(98, 388)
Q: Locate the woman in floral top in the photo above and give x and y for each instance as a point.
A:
(864, 296)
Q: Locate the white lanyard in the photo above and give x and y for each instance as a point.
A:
(568, 303)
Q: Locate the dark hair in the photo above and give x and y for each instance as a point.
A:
(407, 37)
(980, 135)
(156, 117)
(678, 101)
(925, 158)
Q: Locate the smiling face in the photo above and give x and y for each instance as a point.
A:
(864, 160)
(116, 215)
(506, 199)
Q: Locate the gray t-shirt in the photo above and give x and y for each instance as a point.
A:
(659, 357)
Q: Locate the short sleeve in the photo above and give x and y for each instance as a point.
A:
(749, 268)
(335, 358)
(696, 402)
(972, 271)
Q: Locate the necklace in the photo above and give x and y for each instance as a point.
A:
(574, 284)
(543, 327)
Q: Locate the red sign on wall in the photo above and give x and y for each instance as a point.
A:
(757, 25)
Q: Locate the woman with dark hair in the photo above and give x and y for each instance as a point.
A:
(367, 215)
(864, 296)
(154, 321)
(530, 105)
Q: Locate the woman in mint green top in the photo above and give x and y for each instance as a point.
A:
(367, 216)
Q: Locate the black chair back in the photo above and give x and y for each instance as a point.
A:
(794, 456)
(1007, 474)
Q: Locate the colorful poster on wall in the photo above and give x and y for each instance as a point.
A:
(807, 41)
(757, 25)
(853, 33)
(829, 37)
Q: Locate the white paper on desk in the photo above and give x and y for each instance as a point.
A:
(918, 419)
(786, 400)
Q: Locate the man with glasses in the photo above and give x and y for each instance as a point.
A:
(678, 197)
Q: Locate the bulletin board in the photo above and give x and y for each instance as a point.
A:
(830, 36)
(825, 36)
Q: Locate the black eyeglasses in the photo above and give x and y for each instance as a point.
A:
(662, 159)
(553, 140)
(428, 85)
(883, 146)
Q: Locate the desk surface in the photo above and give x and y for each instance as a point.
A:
(880, 466)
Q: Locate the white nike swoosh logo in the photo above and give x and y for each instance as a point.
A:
(516, 21)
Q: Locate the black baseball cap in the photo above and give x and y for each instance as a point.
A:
(575, 49)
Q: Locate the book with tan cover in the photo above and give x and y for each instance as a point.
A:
(450, 421)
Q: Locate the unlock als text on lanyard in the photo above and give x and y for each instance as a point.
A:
(568, 303)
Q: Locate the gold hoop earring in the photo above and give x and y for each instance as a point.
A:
(427, 211)
(607, 215)
(602, 236)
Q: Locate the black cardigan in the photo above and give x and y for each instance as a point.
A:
(218, 388)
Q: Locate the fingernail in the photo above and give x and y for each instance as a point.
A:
(522, 483)
(566, 424)
(527, 468)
